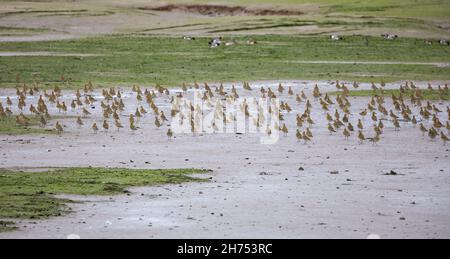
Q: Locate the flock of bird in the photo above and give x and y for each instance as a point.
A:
(378, 112)
(408, 108)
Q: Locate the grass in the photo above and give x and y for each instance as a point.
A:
(429, 14)
(426, 94)
(169, 61)
(9, 126)
(31, 195)
(7, 226)
(55, 12)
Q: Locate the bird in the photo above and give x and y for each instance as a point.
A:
(309, 133)
(280, 88)
(437, 123)
(269, 131)
(337, 123)
(137, 113)
(43, 121)
(377, 130)
(105, 125)
(118, 124)
(290, 91)
(188, 38)
(336, 37)
(284, 129)
(163, 116)
(169, 133)
(142, 110)
(396, 124)
(157, 122)
(298, 134)
(360, 125)
(58, 127)
(299, 121)
(391, 113)
(305, 137)
(132, 126)
(414, 121)
(432, 133)
(94, 127)
(361, 137)
(22, 120)
(336, 115)
(375, 139)
(79, 121)
(346, 133)
(331, 129)
(422, 128)
(363, 113)
(86, 112)
(350, 127)
(374, 117)
(345, 118)
(444, 137)
(116, 115)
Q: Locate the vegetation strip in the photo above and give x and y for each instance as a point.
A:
(31, 195)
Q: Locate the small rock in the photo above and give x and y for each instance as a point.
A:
(392, 172)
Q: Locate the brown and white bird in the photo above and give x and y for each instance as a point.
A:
(444, 137)
(105, 125)
(374, 117)
(361, 137)
(346, 133)
(157, 122)
(86, 112)
(94, 127)
(298, 134)
(58, 127)
(396, 124)
(360, 125)
(79, 121)
(422, 129)
(284, 129)
(305, 137)
(331, 129)
(133, 127)
(118, 124)
(169, 133)
(375, 139)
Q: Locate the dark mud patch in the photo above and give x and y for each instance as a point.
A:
(220, 10)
